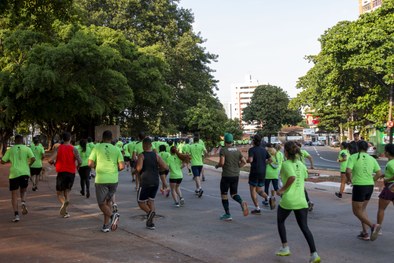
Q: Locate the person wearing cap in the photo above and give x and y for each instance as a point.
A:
(231, 159)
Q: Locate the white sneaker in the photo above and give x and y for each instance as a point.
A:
(314, 258)
(16, 219)
(283, 251)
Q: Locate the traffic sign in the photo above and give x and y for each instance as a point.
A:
(390, 124)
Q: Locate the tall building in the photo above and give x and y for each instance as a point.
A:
(241, 95)
(366, 6)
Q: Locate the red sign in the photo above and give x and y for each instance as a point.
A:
(390, 124)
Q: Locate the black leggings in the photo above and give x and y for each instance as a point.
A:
(302, 220)
(84, 173)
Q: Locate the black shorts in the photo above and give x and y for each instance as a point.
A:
(229, 183)
(126, 158)
(147, 193)
(176, 181)
(362, 193)
(64, 181)
(35, 171)
(19, 182)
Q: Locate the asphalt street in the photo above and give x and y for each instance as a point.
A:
(194, 233)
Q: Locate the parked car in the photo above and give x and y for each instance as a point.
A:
(372, 150)
(335, 143)
(318, 143)
(307, 143)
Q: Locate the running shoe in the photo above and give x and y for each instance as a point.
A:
(310, 206)
(272, 202)
(114, 208)
(114, 221)
(380, 232)
(203, 178)
(87, 194)
(16, 219)
(363, 236)
(63, 209)
(200, 192)
(105, 228)
(176, 204)
(67, 215)
(196, 191)
(82, 192)
(314, 258)
(34, 188)
(283, 252)
(245, 208)
(256, 212)
(265, 203)
(375, 231)
(182, 201)
(226, 217)
(133, 180)
(150, 226)
(149, 220)
(24, 209)
(339, 195)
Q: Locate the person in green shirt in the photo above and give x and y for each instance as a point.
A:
(165, 156)
(108, 161)
(126, 155)
(387, 195)
(36, 167)
(21, 157)
(293, 174)
(305, 155)
(197, 151)
(175, 162)
(271, 176)
(361, 167)
(84, 170)
(343, 158)
(231, 159)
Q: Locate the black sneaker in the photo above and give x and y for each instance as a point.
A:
(82, 193)
(256, 212)
(114, 208)
(150, 226)
(310, 206)
(149, 220)
(337, 194)
(200, 193)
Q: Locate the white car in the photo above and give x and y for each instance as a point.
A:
(372, 150)
(318, 143)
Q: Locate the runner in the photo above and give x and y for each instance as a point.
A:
(293, 174)
(148, 165)
(257, 157)
(21, 157)
(84, 170)
(126, 155)
(386, 196)
(305, 155)
(137, 150)
(91, 146)
(64, 159)
(108, 161)
(175, 161)
(271, 176)
(165, 157)
(231, 159)
(360, 167)
(343, 158)
(36, 167)
(197, 151)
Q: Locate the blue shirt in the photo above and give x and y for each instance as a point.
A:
(258, 165)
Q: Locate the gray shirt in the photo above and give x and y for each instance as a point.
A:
(232, 157)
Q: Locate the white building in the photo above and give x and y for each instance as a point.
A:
(241, 95)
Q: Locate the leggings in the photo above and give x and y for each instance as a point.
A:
(267, 185)
(84, 172)
(302, 220)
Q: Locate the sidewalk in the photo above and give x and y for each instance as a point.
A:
(43, 236)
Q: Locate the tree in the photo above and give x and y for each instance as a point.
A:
(269, 108)
(234, 127)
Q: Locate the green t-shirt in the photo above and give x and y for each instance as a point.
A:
(165, 156)
(130, 147)
(126, 150)
(119, 144)
(138, 149)
(341, 156)
(196, 150)
(280, 158)
(19, 156)
(272, 169)
(294, 197)
(84, 155)
(363, 166)
(91, 145)
(389, 171)
(39, 152)
(232, 157)
(175, 165)
(106, 157)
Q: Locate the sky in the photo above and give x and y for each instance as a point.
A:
(267, 39)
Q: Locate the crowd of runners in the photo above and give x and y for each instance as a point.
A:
(155, 164)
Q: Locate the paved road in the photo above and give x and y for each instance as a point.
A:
(192, 233)
(325, 157)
